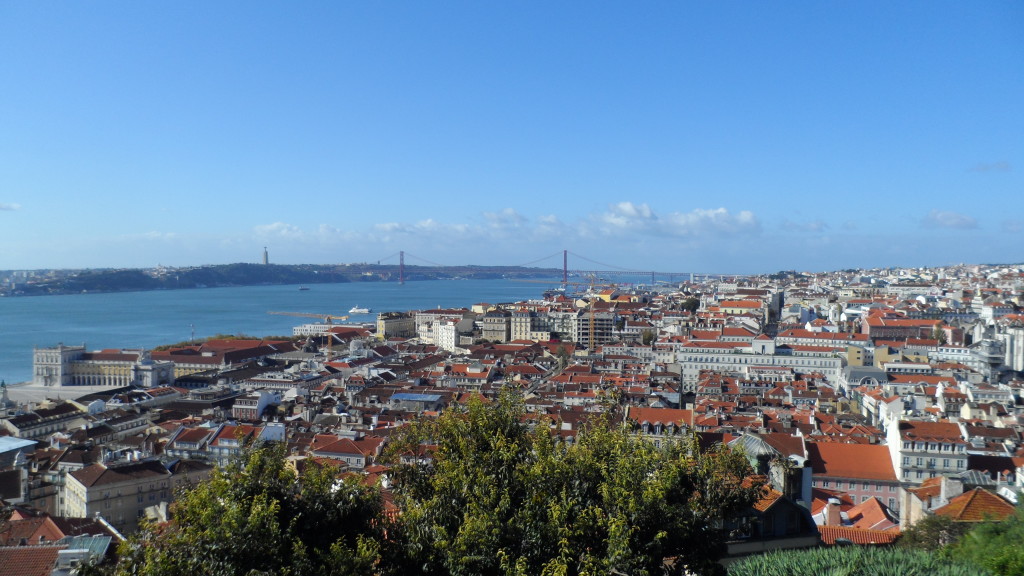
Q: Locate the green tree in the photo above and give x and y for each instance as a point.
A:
(562, 353)
(933, 533)
(257, 516)
(994, 545)
(503, 497)
(690, 304)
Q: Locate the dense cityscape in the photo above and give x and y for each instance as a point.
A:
(864, 401)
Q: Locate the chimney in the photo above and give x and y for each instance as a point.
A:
(832, 515)
(950, 488)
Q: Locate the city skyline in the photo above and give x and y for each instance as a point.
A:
(731, 138)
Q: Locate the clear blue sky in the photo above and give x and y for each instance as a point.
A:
(676, 136)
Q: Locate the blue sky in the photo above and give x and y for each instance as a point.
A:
(720, 137)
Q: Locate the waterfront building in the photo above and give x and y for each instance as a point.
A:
(74, 366)
(220, 355)
(395, 325)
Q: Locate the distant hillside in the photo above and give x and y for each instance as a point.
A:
(132, 280)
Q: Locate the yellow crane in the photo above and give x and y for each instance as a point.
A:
(326, 318)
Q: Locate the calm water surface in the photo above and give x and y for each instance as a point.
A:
(148, 319)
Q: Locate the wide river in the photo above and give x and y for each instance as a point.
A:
(149, 319)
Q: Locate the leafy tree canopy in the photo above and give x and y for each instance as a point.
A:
(505, 498)
(257, 516)
(994, 545)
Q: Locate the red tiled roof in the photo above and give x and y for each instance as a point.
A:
(28, 560)
(662, 415)
(829, 535)
(871, 514)
(861, 461)
(768, 498)
(978, 505)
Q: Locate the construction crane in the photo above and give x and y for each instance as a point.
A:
(326, 318)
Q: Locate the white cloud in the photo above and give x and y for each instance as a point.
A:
(507, 218)
(627, 215)
(715, 222)
(387, 227)
(624, 231)
(279, 229)
(6, 207)
(640, 219)
(951, 220)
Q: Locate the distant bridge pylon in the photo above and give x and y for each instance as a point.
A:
(600, 272)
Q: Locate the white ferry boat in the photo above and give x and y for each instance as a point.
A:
(357, 310)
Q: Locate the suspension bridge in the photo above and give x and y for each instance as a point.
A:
(590, 269)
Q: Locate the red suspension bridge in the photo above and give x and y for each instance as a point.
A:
(593, 269)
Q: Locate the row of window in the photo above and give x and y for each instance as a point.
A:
(931, 462)
(933, 447)
(853, 485)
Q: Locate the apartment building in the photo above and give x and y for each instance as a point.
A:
(922, 450)
(118, 494)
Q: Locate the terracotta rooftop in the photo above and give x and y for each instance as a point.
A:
(663, 415)
(861, 461)
(98, 474)
(28, 560)
(978, 505)
(829, 535)
(871, 514)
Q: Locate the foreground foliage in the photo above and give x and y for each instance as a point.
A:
(994, 545)
(479, 492)
(933, 533)
(258, 516)
(853, 561)
(504, 498)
